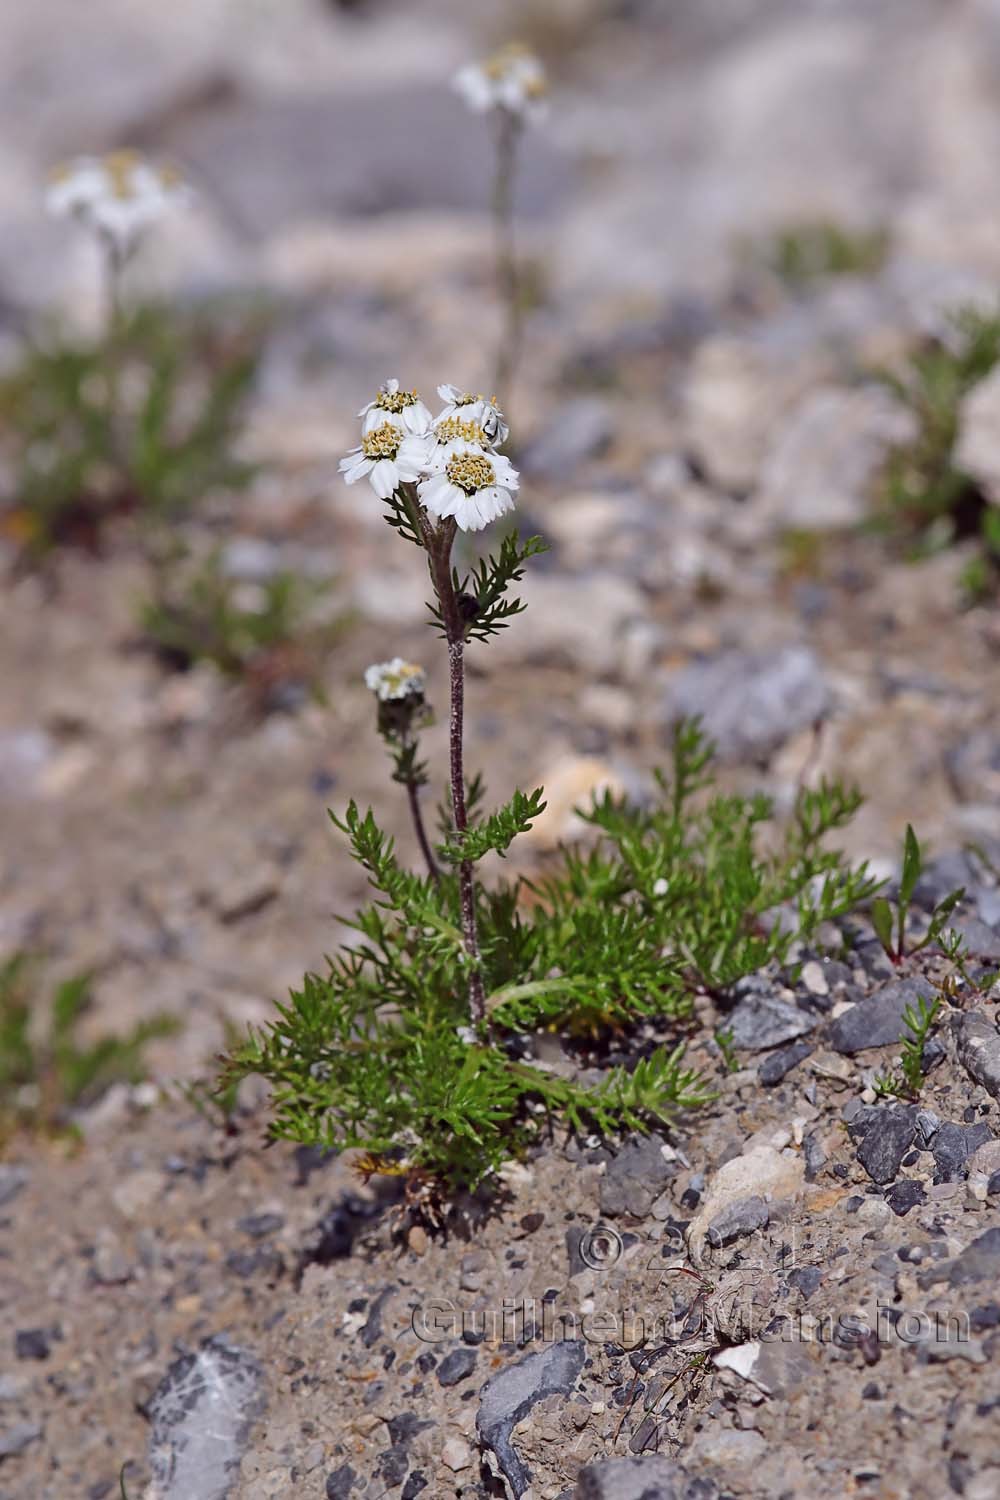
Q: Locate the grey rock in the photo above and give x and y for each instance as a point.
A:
(580, 430)
(904, 1195)
(12, 1180)
(201, 1414)
(980, 940)
(979, 1261)
(507, 1398)
(744, 1217)
(928, 1124)
(886, 1132)
(774, 1068)
(979, 1050)
(805, 1279)
(635, 1177)
(762, 1021)
(340, 1483)
(877, 1021)
(632, 1479)
(268, 165)
(815, 1156)
(750, 702)
(819, 473)
(952, 1147)
(456, 1366)
(15, 1439)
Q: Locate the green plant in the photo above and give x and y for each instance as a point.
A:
(270, 635)
(141, 421)
(411, 1047)
(907, 1079)
(924, 497)
(726, 1042)
(812, 250)
(46, 1071)
(891, 930)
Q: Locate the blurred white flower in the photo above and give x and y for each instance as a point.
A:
(393, 404)
(513, 79)
(473, 485)
(470, 417)
(117, 196)
(388, 456)
(392, 680)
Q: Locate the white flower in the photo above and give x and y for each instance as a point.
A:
(471, 484)
(393, 404)
(661, 886)
(512, 79)
(470, 417)
(388, 456)
(117, 196)
(467, 1035)
(392, 680)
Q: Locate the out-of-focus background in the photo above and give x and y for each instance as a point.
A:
(736, 212)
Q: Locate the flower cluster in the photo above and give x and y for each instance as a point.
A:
(513, 79)
(451, 458)
(396, 679)
(116, 196)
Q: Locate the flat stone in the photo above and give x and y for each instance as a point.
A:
(953, 1145)
(762, 1172)
(762, 1021)
(340, 1483)
(508, 1397)
(775, 1067)
(632, 1479)
(877, 1021)
(979, 1261)
(750, 702)
(982, 942)
(201, 1414)
(15, 1439)
(904, 1195)
(12, 1180)
(978, 1044)
(635, 1177)
(744, 1217)
(456, 1366)
(580, 430)
(886, 1132)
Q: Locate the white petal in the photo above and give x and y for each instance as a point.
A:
(385, 478)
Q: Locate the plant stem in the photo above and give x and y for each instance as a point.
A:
(413, 797)
(439, 544)
(508, 286)
(467, 890)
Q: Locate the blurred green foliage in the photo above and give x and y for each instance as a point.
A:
(46, 1070)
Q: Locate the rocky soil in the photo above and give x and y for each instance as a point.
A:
(699, 443)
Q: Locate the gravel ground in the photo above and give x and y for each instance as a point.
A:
(699, 443)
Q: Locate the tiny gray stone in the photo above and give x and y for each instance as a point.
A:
(904, 1195)
(952, 1147)
(340, 1483)
(12, 1180)
(979, 1050)
(805, 1279)
(750, 702)
(739, 1218)
(762, 1021)
(15, 1439)
(456, 1366)
(928, 1124)
(877, 1021)
(979, 1261)
(632, 1479)
(774, 1068)
(507, 1398)
(635, 1177)
(886, 1133)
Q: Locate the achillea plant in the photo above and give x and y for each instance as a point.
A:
(511, 87)
(416, 1047)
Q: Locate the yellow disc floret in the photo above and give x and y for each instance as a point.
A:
(382, 442)
(470, 471)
